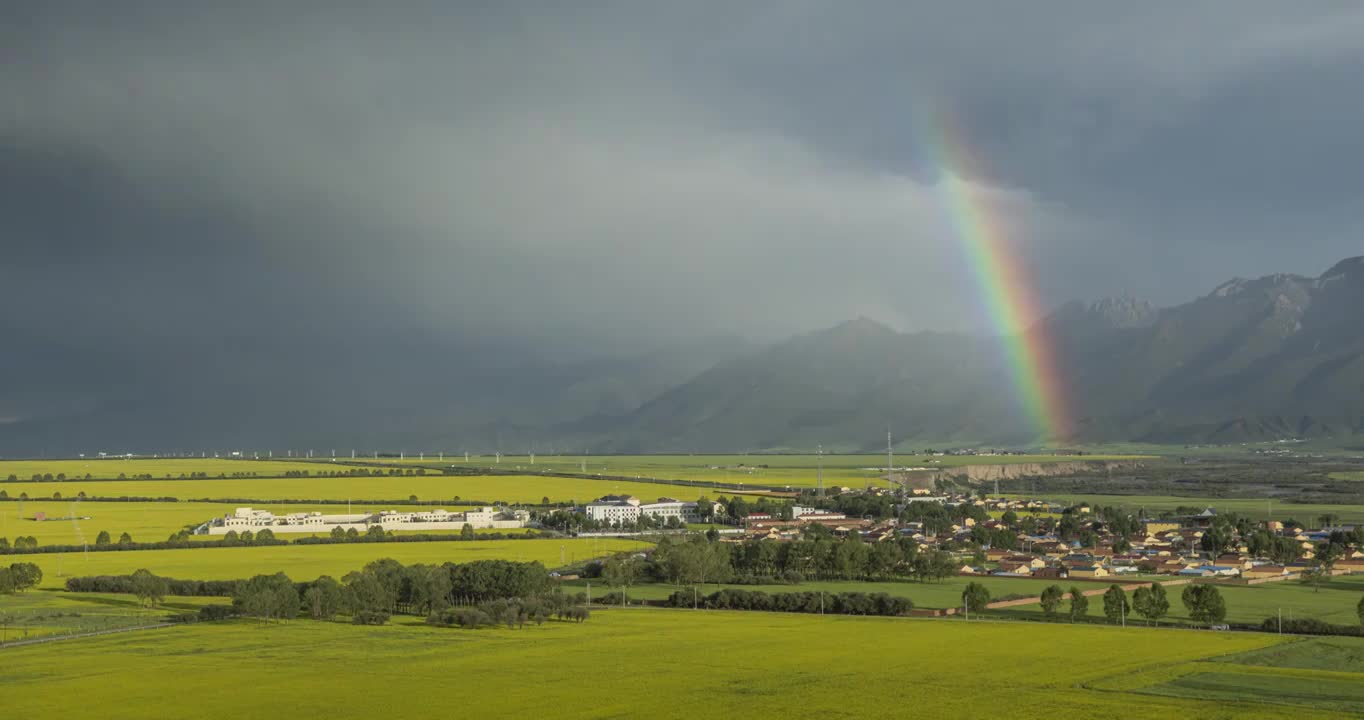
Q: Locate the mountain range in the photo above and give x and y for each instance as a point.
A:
(1275, 357)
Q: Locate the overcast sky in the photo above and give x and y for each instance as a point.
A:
(185, 180)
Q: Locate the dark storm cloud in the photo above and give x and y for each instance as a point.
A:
(283, 183)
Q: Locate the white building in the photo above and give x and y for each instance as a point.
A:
(626, 510)
(244, 519)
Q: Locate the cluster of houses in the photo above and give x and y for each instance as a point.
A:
(1170, 546)
(248, 519)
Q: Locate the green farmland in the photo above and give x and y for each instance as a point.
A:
(1254, 508)
(46, 613)
(777, 471)
(515, 489)
(943, 594)
(695, 663)
(1251, 604)
(307, 562)
(159, 468)
(1290, 678)
(145, 521)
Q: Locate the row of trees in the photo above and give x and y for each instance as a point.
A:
(816, 555)
(246, 538)
(1203, 602)
(179, 540)
(512, 612)
(23, 542)
(848, 603)
(103, 538)
(386, 587)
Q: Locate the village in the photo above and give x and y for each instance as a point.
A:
(1025, 538)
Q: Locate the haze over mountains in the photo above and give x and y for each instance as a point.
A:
(1274, 357)
(1279, 356)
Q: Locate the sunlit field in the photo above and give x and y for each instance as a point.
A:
(159, 468)
(144, 521)
(1255, 508)
(695, 663)
(1335, 602)
(307, 562)
(440, 490)
(48, 613)
(767, 470)
(932, 595)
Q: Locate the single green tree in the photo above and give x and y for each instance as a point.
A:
(125, 539)
(25, 576)
(1079, 604)
(102, 538)
(1116, 607)
(974, 597)
(1204, 603)
(620, 572)
(1051, 600)
(467, 532)
(149, 588)
(1323, 564)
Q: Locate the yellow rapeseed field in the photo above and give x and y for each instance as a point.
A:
(625, 663)
(307, 562)
(429, 488)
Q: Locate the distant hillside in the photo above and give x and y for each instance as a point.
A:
(1279, 356)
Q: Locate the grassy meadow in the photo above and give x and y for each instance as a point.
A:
(778, 471)
(307, 562)
(145, 521)
(1254, 508)
(39, 614)
(159, 468)
(1251, 604)
(1301, 675)
(438, 489)
(687, 665)
(943, 594)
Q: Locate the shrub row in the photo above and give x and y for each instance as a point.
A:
(124, 584)
(850, 603)
(131, 546)
(1308, 627)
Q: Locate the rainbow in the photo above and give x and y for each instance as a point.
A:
(1006, 289)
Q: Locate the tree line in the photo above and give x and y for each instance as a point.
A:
(369, 596)
(844, 603)
(247, 538)
(351, 472)
(816, 555)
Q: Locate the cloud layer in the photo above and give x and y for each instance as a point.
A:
(183, 182)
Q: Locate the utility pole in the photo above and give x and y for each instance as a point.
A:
(890, 459)
(819, 469)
